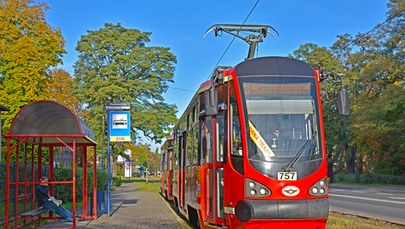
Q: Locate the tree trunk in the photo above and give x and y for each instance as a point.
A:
(113, 159)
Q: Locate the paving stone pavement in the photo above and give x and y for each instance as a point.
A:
(137, 209)
(134, 209)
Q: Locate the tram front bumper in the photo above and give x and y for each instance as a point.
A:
(282, 209)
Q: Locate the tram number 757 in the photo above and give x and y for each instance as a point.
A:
(287, 175)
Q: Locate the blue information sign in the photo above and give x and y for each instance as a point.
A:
(120, 126)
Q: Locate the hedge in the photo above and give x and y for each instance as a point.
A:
(64, 192)
(116, 181)
(369, 178)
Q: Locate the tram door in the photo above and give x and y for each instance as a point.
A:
(214, 154)
(182, 158)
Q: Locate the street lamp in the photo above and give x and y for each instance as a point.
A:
(2, 108)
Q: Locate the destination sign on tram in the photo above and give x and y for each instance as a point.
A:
(277, 89)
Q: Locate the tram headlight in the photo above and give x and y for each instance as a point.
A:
(252, 192)
(255, 189)
(314, 190)
(322, 183)
(319, 188)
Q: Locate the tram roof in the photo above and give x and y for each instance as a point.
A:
(274, 65)
(49, 122)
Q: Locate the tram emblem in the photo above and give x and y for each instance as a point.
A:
(291, 191)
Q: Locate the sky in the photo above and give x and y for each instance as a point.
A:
(180, 25)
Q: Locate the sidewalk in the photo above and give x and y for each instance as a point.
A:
(134, 209)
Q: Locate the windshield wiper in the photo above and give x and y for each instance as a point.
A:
(298, 155)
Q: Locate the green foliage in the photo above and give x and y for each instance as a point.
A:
(116, 65)
(376, 70)
(61, 88)
(336, 127)
(346, 178)
(154, 162)
(29, 46)
(120, 168)
(142, 154)
(64, 192)
(116, 181)
(101, 180)
(373, 67)
(369, 178)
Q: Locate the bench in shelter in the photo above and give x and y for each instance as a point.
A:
(34, 212)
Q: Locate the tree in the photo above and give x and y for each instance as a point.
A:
(115, 65)
(154, 162)
(374, 67)
(61, 88)
(377, 70)
(141, 154)
(336, 127)
(28, 48)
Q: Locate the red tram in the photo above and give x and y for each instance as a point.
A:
(249, 150)
(166, 168)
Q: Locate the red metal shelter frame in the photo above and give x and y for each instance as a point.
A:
(44, 125)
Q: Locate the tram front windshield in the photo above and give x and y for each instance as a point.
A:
(283, 128)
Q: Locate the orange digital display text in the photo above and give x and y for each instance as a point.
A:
(277, 89)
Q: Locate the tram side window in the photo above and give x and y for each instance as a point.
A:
(195, 145)
(202, 143)
(170, 160)
(192, 138)
(235, 132)
(195, 134)
(206, 141)
(236, 136)
(221, 137)
(176, 149)
(165, 161)
(221, 123)
(162, 162)
(189, 145)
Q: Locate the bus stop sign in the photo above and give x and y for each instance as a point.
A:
(119, 123)
(120, 126)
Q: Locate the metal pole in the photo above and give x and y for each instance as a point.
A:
(2, 108)
(102, 140)
(0, 135)
(108, 165)
(146, 172)
(95, 198)
(74, 146)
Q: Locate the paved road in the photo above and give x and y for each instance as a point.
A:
(387, 203)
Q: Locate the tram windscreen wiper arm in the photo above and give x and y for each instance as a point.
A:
(298, 155)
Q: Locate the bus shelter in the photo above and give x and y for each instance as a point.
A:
(37, 132)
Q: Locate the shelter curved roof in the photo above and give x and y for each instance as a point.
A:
(49, 122)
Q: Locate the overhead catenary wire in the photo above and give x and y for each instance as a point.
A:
(361, 36)
(181, 89)
(376, 27)
(226, 50)
(230, 43)
(251, 11)
(224, 53)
